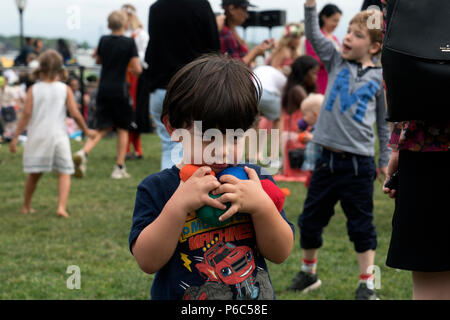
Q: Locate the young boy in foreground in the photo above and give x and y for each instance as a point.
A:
(193, 260)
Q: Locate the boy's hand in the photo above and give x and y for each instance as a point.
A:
(194, 193)
(246, 196)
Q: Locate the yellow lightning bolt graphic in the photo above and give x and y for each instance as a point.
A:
(187, 262)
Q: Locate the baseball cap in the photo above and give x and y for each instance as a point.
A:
(237, 3)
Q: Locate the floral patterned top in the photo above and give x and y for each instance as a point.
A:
(420, 136)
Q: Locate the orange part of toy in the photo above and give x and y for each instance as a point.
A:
(286, 192)
(188, 170)
(302, 136)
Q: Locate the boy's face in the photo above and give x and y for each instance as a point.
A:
(357, 45)
(217, 151)
(211, 148)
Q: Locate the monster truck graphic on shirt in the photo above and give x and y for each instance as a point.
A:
(230, 265)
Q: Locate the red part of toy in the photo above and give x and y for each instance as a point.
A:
(274, 193)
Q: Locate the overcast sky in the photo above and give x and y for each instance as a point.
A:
(60, 18)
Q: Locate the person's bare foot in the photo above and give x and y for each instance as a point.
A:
(62, 213)
(26, 210)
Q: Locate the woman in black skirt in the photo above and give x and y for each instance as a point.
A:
(420, 239)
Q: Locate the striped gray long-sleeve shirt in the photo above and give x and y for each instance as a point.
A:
(353, 102)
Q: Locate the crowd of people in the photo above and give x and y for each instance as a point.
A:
(327, 98)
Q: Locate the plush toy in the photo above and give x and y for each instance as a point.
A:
(207, 214)
(237, 172)
(211, 215)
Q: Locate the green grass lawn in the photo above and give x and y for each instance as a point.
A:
(36, 249)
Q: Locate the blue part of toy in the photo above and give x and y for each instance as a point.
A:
(237, 172)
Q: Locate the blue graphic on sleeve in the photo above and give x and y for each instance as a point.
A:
(363, 95)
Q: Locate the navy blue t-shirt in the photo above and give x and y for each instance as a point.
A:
(209, 262)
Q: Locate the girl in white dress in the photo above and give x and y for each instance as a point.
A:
(48, 148)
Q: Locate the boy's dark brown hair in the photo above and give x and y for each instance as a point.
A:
(221, 92)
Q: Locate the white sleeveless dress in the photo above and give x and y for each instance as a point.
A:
(48, 147)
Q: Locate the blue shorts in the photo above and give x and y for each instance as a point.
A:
(347, 178)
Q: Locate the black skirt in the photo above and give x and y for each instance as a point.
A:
(421, 224)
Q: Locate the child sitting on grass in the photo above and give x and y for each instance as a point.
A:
(193, 260)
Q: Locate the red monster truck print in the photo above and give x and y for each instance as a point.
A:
(230, 265)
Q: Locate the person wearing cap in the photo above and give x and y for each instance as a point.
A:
(231, 43)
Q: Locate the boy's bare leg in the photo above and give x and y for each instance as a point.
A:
(64, 190)
(122, 143)
(366, 260)
(30, 187)
(431, 285)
